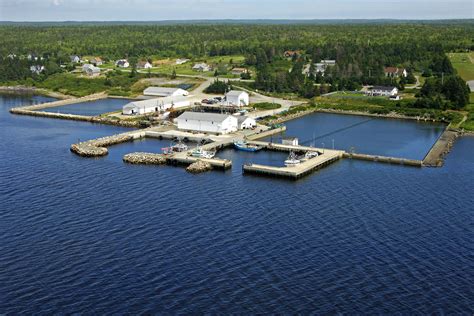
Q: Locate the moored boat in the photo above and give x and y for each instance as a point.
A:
(292, 160)
(244, 146)
(198, 152)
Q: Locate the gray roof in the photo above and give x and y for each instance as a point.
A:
(200, 116)
(384, 88)
(241, 119)
(151, 103)
(234, 93)
(160, 90)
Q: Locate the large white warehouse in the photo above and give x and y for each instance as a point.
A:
(165, 92)
(207, 122)
(155, 105)
(237, 98)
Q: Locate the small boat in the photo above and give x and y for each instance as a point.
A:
(311, 154)
(179, 147)
(198, 152)
(292, 160)
(244, 146)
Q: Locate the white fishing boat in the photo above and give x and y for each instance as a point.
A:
(179, 146)
(292, 160)
(198, 152)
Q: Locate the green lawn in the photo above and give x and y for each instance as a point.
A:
(469, 124)
(464, 64)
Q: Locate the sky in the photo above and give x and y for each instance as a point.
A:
(158, 10)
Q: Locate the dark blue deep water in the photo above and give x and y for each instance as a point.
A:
(91, 108)
(97, 236)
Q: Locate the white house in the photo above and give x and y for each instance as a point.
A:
(181, 61)
(202, 67)
(122, 63)
(395, 72)
(237, 98)
(75, 59)
(155, 105)
(207, 122)
(246, 122)
(383, 91)
(144, 65)
(164, 92)
(91, 70)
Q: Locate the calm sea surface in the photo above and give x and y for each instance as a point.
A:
(97, 236)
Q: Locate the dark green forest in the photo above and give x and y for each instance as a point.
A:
(361, 52)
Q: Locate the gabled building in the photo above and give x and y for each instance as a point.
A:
(122, 63)
(203, 67)
(164, 92)
(207, 122)
(155, 105)
(237, 98)
(383, 91)
(91, 70)
(395, 72)
(245, 122)
(74, 59)
(238, 71)
(96, 61)
(144, 64)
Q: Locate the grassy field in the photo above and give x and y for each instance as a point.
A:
(469, 123)
(464, 64)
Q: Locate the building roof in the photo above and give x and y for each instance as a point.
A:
(234, 93)
(154, 102)
(201, 116)
(161, 90)
(242, 119)
(393, 70)
(384, 88)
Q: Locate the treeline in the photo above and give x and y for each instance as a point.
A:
(187, 40)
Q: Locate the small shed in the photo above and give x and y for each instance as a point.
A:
(237, 98)
(246, 122)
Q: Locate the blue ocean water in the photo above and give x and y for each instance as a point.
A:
(91, 108)
(97, 236)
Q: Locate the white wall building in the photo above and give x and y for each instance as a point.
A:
(122, 63)
(202, 67)
(207, 122)
(237, 98)
(164, 92)
(155, 105)
(246, 122)
(91, 70)
(383, 91)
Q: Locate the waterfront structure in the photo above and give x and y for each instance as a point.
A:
(291, 141)
(207, 122)
(237, 98)
(203, 67)
(155, 105)
(383, 91)
(164, 92)
(246, 122)
(395, 72)
(91, 70)
(122, 63)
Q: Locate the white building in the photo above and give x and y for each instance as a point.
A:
(246, 122)
(181, 61)
(37, 69)
(207, 122)
(122, 63)
(155, 105)
(91, 70)
(144, 65)
(383, 91)
(75, 58)
(328, 62)
(202, 67)
(237, 98)
(164, 92)
(292, 141)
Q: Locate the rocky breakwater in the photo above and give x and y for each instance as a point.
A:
(97, 147)
(199, 166)
(144, 159)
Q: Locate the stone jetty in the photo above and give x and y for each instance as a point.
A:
(440, 149)
(199, 166)
(145, 159)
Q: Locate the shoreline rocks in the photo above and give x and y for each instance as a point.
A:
(145, 159)
(199, 167)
